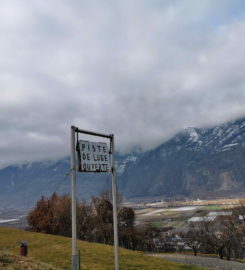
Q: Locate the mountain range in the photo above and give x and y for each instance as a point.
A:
(195, 163)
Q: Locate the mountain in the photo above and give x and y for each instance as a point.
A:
(22, 185)
(195, 163)
(198, 162)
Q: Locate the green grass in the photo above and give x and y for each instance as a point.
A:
(56, 251)
(158, 224)
(213, 207)
(12, 262)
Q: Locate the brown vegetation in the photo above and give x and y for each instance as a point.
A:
(225, 237)
(94, 222)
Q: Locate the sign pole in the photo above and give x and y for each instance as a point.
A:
(114, 198)
(73, 202)
(93, 157)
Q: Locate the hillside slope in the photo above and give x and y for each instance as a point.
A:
(14, 262)
(56, 250)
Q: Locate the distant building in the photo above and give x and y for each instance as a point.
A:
(220, 213)
(201, 219)
(211, 216)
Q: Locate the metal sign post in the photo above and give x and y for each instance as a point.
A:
(114, 198)
(92, 157)
(73, 202)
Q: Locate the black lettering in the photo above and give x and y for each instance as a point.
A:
(103, 167)
(104, 149)
(86, 156)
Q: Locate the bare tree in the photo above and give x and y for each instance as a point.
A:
(192, 239)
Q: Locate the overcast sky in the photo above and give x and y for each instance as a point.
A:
(141, 69)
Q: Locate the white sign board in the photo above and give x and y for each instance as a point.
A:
(94, 157)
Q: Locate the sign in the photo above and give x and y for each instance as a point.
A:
(93, 157)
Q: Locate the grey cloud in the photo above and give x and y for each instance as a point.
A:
(140, 69)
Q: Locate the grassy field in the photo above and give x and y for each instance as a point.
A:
(13, 262)
(161, 217)
(56, 251)
(213, 207)
(176, 217)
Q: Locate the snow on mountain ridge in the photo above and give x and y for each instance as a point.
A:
(193, 136)
(211, 139)
(121, 166)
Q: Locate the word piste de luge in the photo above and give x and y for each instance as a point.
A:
(94, 157)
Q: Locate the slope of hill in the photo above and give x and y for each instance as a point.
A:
(198, 162)
(56, 250)
(13, 262)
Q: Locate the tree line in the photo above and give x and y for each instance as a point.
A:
(52, 215)
(224, 236)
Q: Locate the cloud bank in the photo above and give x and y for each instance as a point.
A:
(140, 69)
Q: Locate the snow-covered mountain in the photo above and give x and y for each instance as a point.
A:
(198, 162)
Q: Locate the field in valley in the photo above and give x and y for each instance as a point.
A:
(176, 214)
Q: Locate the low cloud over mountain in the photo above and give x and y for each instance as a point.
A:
(143, 70)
